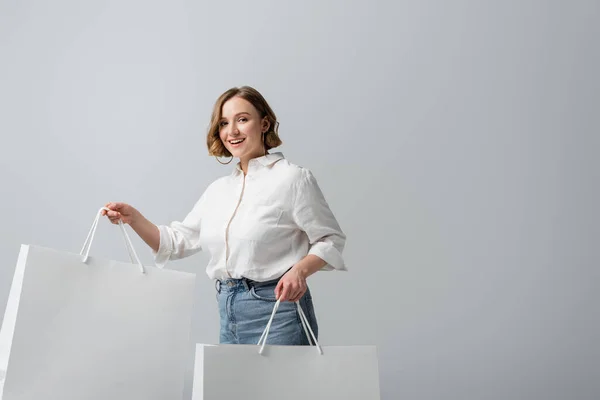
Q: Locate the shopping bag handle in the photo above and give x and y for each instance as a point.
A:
(305, 324)
(85, 251)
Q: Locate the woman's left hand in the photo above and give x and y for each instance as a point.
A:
(291, 286)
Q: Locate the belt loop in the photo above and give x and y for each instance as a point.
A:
(246, 285)
(218, 285)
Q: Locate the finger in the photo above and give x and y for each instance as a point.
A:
(118, 205)
(278, 289)
(114, 206)
(297, 295)
(286, 293)
(292, 291)
(300, 294)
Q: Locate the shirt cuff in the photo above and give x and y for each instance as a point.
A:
(330, 255)
(165, 248)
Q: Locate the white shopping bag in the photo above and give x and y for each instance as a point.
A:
(263, 372)
(78, 327)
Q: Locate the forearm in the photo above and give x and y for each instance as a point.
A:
(309, 265)
(147, 231)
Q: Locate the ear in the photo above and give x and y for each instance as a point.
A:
(265, 125)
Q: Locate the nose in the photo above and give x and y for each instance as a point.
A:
(233, 129)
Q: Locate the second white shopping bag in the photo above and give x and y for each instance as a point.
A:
(79, 327)
(267, 372)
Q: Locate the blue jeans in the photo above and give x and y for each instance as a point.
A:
(246, 306)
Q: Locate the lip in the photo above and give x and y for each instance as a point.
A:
(234, 145)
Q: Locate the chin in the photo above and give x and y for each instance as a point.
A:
(241, 153)
(236, 153)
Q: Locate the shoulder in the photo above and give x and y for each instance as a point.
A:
(219, 182)
(214, 185)
(291, 172)
(296, 178)
(214, 188)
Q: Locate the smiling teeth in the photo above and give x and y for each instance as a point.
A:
(237, 141)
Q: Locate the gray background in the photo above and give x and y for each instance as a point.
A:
(455, 141)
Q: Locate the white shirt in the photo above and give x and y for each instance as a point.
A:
(259, 225)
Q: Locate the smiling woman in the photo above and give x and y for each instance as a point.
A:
(244, 115)
(266, 225)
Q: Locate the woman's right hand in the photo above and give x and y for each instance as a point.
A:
(120, 211)
(129, 215)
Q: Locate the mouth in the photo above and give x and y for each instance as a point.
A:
(236, 142)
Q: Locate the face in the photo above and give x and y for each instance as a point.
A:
(241, 129)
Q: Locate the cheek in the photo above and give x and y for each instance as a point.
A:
(253, 133)
(254, 141)
(222, 136)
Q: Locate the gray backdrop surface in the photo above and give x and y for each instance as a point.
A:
(456, 143)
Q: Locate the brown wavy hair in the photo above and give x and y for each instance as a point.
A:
(271, 137)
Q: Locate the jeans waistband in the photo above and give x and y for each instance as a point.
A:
(242, 282)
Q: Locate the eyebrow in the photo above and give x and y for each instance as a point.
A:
(238, 114)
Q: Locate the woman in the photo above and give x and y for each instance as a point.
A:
(266, 225)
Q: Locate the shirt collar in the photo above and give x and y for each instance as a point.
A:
(266, 161)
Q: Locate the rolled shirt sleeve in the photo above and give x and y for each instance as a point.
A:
(312, 214)
(180, 239)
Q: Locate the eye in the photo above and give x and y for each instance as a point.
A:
(222, 123)
(243, 119)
